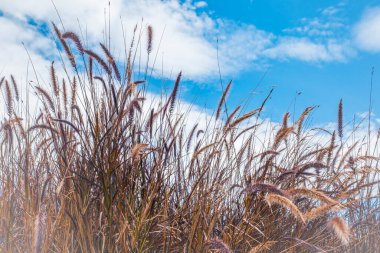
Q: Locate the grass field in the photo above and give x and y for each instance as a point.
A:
(104, 168)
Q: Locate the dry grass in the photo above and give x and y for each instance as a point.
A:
(102, 169)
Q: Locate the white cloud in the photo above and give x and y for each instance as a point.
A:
(245, 45)
(366, 31)
(323, 38)
(201, 4)
(189, 35)
(331, 10)
(15, 60)
(329, 23)
(183, 46)
(14, 56)
(189, 38)
(307, 50)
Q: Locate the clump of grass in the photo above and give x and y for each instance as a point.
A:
(104, 169)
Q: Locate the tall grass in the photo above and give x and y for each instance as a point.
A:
(103, 169)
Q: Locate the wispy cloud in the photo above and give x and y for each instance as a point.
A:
(323, 38)
(329, 22)
(306, 50)
(200, 4)
(317, 27)
(242, 48)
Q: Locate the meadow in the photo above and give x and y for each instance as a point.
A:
(103, 168)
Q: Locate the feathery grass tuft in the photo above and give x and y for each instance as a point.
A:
(72, 36)
(341, 229)
(340, 119)
(150, 39)
(286, 203)
(222, 99)
(218, 245)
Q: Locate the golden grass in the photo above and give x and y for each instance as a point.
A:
(102, 169)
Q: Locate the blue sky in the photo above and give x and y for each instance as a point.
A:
(321, 83)
(321, 50)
